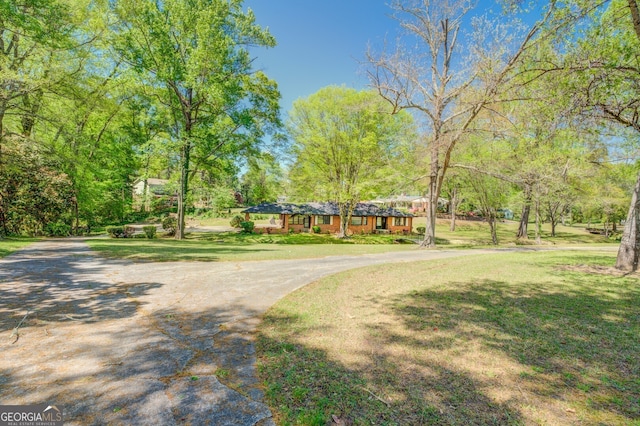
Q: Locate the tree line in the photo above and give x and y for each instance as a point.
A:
(536, 113)
(97, 94)
(533, 107)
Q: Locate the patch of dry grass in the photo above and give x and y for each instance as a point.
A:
(518, 338)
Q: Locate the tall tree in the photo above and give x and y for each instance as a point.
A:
(343, 142)
(432, 80)
(197, 51)
(46, 52)
(606, 84)
(32, 32)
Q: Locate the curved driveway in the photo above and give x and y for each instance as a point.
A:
(120, 342)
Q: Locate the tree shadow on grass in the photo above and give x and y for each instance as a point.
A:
(475, 352)
(577, 343)
(305, 385)
(94, 348)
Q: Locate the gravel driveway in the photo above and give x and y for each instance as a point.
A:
(121, 342)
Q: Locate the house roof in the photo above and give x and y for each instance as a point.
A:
(330, 209)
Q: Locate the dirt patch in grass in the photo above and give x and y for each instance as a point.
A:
(519, 338)
(598, 269)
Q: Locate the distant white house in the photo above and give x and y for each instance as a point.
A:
(413, 203)
(156, 189)
(155, 186)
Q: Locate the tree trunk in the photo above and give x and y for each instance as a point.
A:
(538, 224)
(492, 227)
(629, 250)
(76, 212)
(32, 107)
(432, 208)
(635, 16)
(452, 208)
(524, 219)
(183, 190)
(346, 210)
(145, 196)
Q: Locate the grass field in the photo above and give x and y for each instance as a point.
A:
(236, 247)
(544, 338)
(469, 233)
(10, 244)
(233, 246)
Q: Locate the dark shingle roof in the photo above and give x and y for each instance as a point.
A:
(331, 209)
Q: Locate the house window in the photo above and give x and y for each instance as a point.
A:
(358, 220)
(296, 219)
(323, 220)
(399, 221)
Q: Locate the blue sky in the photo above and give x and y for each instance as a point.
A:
(321, 41)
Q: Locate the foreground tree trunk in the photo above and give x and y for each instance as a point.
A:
(629, 250)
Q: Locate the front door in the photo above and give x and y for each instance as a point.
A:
(381, 222)
(307, 222)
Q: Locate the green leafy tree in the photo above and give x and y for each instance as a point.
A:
(606, 85)
(34, 37)
(427, 75)
(263, 180)
(50, 79)
(484, 185)
(197, 54)
(344, 145)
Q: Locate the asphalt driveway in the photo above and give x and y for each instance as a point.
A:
(121, 342)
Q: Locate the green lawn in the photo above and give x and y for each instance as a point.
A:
(238, 247)
(515, 338)
(470, 233)
(10, 244)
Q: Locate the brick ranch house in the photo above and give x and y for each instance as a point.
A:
(366, 218)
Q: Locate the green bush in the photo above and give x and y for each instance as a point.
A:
(115, 231)
(236, 221)
(149, 231)
(247, 226)
(420, 229)
(120, 231)
(170, 225)
(57, 229)
(316, 229)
